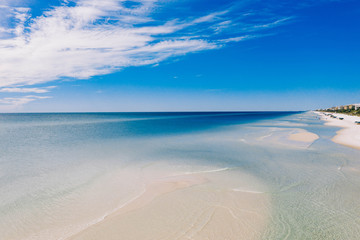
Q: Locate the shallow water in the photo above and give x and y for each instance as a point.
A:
(60, 173)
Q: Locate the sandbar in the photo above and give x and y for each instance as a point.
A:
(307, 137)
(191, 206)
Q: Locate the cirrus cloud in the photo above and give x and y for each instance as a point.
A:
(26, 90)
(15, 103)
(95, 37)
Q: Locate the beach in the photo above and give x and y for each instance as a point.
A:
(179, 120)
(259, 175)
(349, 135)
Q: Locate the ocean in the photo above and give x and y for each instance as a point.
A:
(64, 173)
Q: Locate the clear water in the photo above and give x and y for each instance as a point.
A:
(55, 167)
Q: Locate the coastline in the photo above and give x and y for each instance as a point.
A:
(266, 179)
(349, 135)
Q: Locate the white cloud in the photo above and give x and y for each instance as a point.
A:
(237, 39)
(15, 103)
(20, 100)
(26, 90)
(78, 42)
(96, 37)
(273, 24)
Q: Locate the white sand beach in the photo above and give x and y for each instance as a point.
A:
(349, 135)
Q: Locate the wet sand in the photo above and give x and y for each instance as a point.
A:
(192, 206)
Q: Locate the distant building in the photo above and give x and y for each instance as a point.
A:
(350, 107)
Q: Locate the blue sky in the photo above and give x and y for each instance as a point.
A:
(192, 55)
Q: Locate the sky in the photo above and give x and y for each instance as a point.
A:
(178, 55)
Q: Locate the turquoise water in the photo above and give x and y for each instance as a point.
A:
(55, 166)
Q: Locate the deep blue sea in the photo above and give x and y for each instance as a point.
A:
(54, 167)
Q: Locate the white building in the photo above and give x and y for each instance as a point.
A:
(357, 106)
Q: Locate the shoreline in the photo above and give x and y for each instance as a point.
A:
(349, 135)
